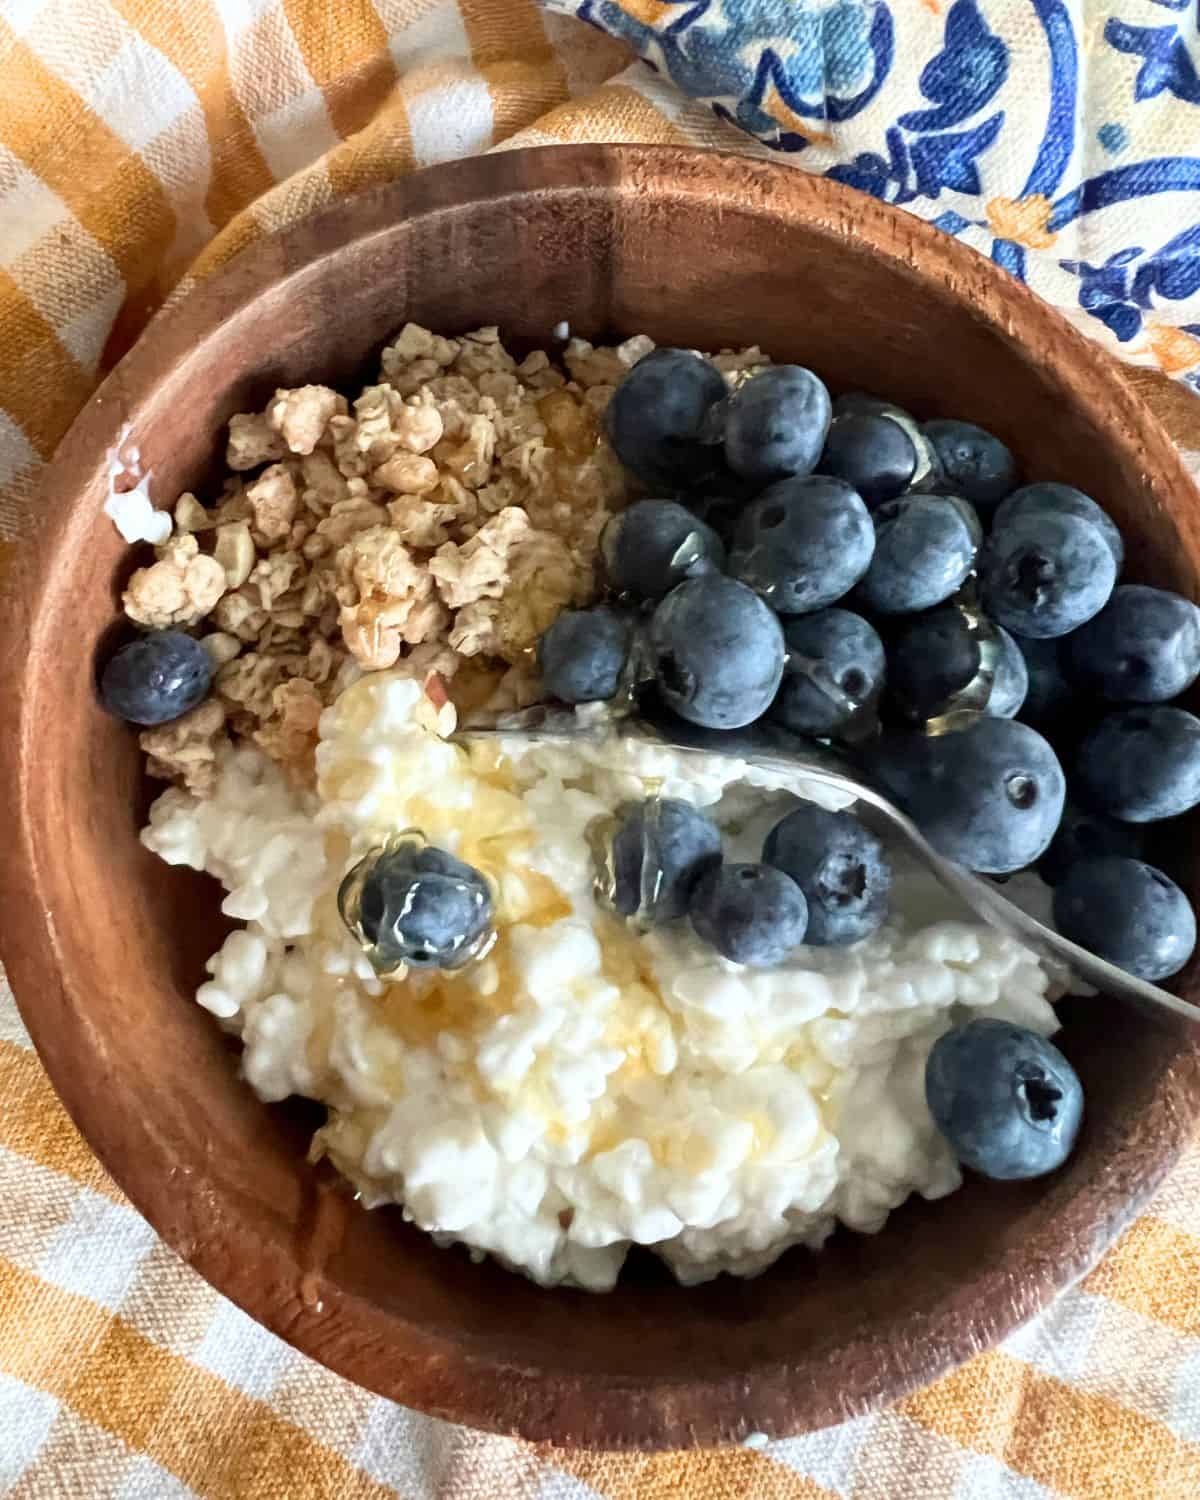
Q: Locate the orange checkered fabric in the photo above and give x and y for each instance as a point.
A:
(142, 143)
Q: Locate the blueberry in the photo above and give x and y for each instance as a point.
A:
(1043, 575)
(656, 416)
(716, 652)
(977, 464)
(1049, 701)
(656, 544)
(659, 853)
(835, 668)
(1128, 913)
(422, 907)
(1007, 1100)
(873, 454)
(938, 656)
(1061, 500)
(930, 663)
(775, 424)
(583, 654)
(1082, 834)
(927, 471)
(989, 797)
(923, 552)
(803, 544)
(752, 914)
(966, 510)
(1143, 647)
(1141, 764)
(840, 866)
(156, 678)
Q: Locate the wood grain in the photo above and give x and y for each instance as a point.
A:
(105, 946)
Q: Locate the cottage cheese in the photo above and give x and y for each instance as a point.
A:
(581, 1089)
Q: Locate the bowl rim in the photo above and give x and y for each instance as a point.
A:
(435, 1373)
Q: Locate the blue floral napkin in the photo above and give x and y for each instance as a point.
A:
(1060, 137)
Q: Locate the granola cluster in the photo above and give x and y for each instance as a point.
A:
(439, 522)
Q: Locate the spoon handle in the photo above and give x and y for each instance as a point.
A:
(986, 900)
(980, 895)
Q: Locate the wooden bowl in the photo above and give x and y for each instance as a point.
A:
(105, 945)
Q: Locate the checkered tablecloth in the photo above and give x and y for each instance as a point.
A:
(142, 143)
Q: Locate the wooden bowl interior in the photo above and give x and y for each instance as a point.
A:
(149, 1074)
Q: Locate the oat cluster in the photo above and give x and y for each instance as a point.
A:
(438, 522)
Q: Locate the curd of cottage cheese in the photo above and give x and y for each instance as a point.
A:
(583, 1087)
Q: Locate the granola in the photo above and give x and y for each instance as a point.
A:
(301, 416)
(185, 751)
(387, 598)
(438, 521)
(181, 588)
(273, 499)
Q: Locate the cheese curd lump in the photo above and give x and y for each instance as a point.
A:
(583, 1087)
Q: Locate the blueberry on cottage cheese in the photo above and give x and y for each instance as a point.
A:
(1007, 1100)
(1043, 574)
(803, 544)
(1128, 913)
(157, 678)
(660, 851)
(775, 424)
(873, 454)
(835, 669)
(421, 906)
(938, 656)
(716, 652)
(656, 544)
(989, 797)
(1143, 647)
(1082, 834)
(840, 866)
(656, 416)
(752, 914)
(583, 654)
(924, 551)
(1046, 498)
(1140, 764)
(975, 463)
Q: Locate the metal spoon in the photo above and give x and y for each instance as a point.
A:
(794, 762)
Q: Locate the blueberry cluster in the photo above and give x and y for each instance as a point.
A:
(842, 571)
(823, 879)
(845, 572)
